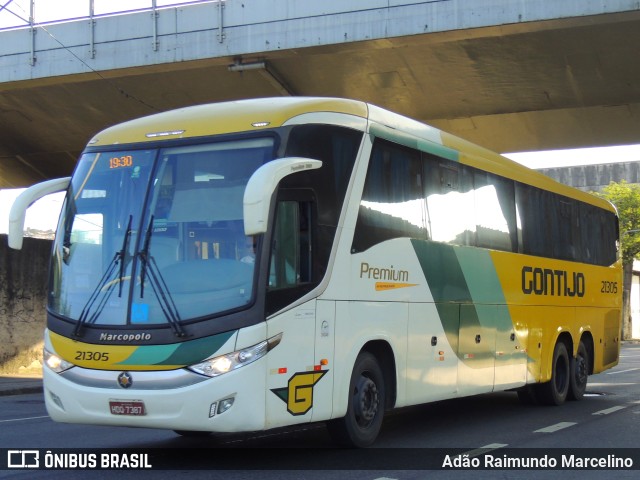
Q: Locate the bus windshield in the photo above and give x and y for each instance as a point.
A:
(156, 236)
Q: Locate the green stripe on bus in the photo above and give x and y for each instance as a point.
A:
(438, 150)
(149, 354)
(186, 353)
(480, 275)
(446, 281)
(197, 350)
(443, 271)
(485, 288)
(411, 141)
(491, 305)
(468, 296)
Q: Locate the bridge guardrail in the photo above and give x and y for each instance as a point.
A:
(15, 14)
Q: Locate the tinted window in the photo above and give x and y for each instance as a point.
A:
(413, 194)
(392, 204)
(555, 226)
(337, 148)
(449, 201)
(495, 212)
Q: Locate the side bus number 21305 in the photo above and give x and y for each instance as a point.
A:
(609, 287)
(92, 356)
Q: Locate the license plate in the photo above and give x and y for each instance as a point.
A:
(127, 407)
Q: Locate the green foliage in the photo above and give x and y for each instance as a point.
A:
(626, 197)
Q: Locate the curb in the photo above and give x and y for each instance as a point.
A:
(18, 384)
(21, 391)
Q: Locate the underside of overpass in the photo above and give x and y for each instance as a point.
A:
(551, 84)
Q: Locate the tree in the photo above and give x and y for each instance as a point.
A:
(626, 197)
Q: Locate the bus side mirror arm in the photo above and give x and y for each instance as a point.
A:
(24, 201)
(262, 185)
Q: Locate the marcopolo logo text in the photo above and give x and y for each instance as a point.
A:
(124, 337)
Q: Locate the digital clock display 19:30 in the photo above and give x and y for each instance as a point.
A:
(120, 162)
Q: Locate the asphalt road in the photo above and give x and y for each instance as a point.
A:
(607, 418)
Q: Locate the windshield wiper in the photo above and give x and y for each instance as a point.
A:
(144, 255)
(158, 284)
(123, 254)
(105, 281)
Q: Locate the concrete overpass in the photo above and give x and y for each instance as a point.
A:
(512, 75)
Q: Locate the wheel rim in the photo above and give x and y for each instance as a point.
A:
(365, 401)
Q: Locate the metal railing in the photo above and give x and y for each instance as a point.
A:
(16, 14)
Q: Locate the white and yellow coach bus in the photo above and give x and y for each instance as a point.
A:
(261, 263)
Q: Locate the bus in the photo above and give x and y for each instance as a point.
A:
(261, 263)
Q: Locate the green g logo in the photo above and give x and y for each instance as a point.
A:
(298, 395)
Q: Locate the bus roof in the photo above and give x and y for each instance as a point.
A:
(221, 118)
(264, 113)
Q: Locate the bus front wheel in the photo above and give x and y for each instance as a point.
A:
(365, 409)
(556, 390)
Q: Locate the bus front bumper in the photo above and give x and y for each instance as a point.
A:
(232, 402)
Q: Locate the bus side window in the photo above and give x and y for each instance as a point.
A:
(392, 204)
(290, 263)
(449, 201)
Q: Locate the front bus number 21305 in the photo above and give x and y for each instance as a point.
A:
(119, 162)
(92, 356)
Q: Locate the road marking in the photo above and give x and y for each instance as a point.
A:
(612, 384)
(555, 428)
(623, 371)
(482, 450)
(20, 419)
(609, 410)
(493, 446)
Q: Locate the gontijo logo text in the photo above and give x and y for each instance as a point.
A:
(559, 283)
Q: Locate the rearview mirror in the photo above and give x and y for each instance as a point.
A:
(24, 201)
(262, 184)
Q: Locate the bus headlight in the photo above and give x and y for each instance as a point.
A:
(213, 367)
(55, 363)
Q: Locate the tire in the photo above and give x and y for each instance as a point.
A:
(556, 390)
(365, 408)
(579, 373)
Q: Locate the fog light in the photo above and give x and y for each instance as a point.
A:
(224, 405)
(56, 399)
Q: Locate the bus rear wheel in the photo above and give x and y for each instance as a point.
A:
(365, 409)
(556, 390)
(579, 373)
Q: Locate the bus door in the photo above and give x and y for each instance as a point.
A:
(293, 369)
(432, 346)
(511, 353)
(476, 349)
(324, 359)
(291, 376)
